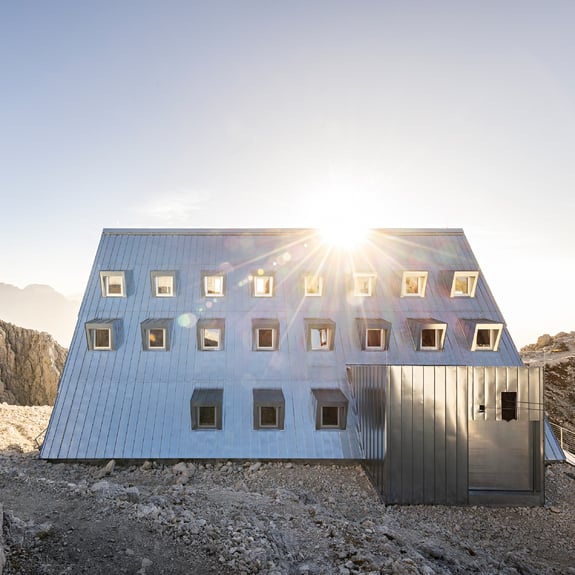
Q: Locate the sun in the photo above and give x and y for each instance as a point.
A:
(344, 236)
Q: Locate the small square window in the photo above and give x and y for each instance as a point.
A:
(428, 334)
(156, 334)
(212, 338)
(156, 338)
(268, 416)
(163, 284)
(373, 333)
(210, 334)
(113, 284)
(374, 338)
(313, 285)
(207, 416)
(101, 334)
(102, 338)
(464, 284)
(320, 334)
(263, 285)
(265, 338)
(206, 409)
(265, 334)
(363, 285)
(213, 284)
(487, 335)
(331, 408)
(413, 284)
(269, 409)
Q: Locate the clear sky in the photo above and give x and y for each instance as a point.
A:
(134, 113)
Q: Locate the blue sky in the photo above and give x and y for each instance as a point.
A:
(266, 113)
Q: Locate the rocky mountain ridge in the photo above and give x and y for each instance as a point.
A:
(31, 363)
(557, 354)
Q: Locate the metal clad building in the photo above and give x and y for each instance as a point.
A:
(275, 344)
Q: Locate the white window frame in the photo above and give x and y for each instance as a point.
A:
(313, 285)
(420, 277)
(365, 325)
(159, 278)
(495, 331)
(325, 329)
(204, 327)
(106, 276)
(359, 286)
(330, 399)
(258, 283)
(216, 332)
(382, 338)
(259, 345)
(97, 325)
(269, 399)
(205, 398)
(151, 325)
(472, 279)
(213, 284)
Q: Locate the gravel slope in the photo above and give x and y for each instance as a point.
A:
(272, 518)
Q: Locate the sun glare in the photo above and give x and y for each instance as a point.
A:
(344, 236)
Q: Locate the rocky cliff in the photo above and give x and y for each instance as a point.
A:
(557, 354)
(30, 366)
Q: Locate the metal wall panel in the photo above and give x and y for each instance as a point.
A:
(127, 402)
(434, 451)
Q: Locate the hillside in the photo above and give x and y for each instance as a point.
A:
(30, 366)
(41, 308)
(557, 354)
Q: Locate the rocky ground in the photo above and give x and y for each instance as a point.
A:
(267, 518)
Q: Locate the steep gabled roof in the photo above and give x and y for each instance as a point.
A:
(134, 401)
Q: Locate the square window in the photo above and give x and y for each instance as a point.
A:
(484, 338)
(102, 338)
(429, 338)
(464, 284)
(210, 333)
(101, 334)
(157, 338)
(486, 334)
(428, 334)
(163, 283)
(206, 409)
(207, 416)
(212, 338)
(329, 416)
(320, 338)
(313, 285)
(374, 338)
(413, 284)
(320, 334)
(363, 285)
(265, 338)
(269, 408)
(263, 285)
(156, 334)
(331, 407)
(113, 284)
(268, 416)
(213, 285)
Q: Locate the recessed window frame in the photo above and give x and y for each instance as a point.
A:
(209, 400)
(327, 402)
(365, 325)
(326, 332)
(364, 284)
(109, 279)
(213, 284)
(268, 399)
(162, 279)
(313, 285)
(472, 278)
(419, 328)
(260, 324)
(93, 327)
(257, 278)
(150, 327)
(494, 332)
(205, 327)
(421, 281)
